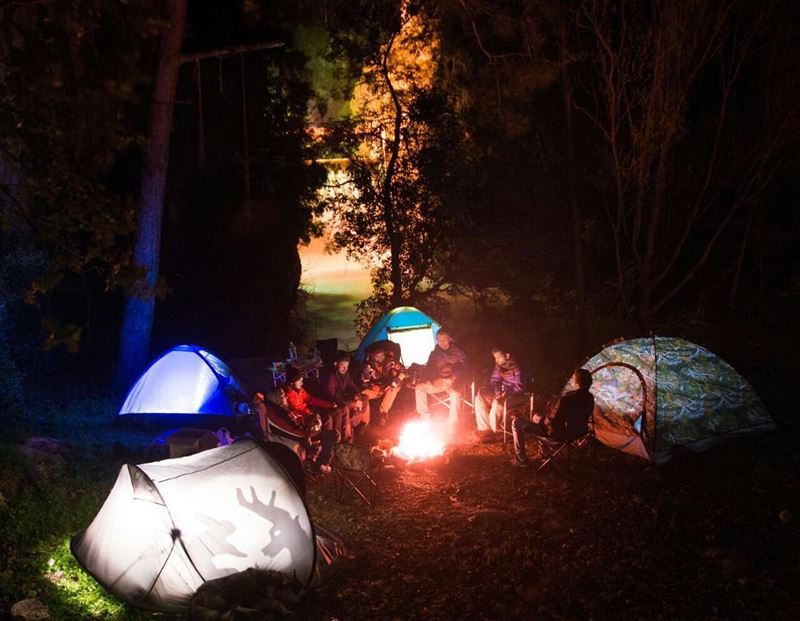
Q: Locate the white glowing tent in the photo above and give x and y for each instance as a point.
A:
(410, 328)
(168, 526)
(186, 380)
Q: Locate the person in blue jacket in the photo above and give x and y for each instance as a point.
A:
(505, 382)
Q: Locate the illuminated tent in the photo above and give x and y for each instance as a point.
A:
(656, 396)
(186, 380)
(390, 347)
(167, 527)
(410, 328)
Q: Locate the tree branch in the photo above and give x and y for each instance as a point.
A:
(479, 41)
(233, 50)
(7, 4)
(760, 179)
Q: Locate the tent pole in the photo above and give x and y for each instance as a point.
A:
(655, 395)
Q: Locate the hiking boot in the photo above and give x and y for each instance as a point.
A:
(520, 463)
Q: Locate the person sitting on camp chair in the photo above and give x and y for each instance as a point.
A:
(320, 425)
(340, 389)
(570, 421)
(382, 378)
(445, 363)
(259, 407)
(505, 383)
(279, 426)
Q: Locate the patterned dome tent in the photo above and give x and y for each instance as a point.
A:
(655, 396)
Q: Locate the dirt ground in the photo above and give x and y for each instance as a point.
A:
(598, 536)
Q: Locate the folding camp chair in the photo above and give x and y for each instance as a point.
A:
(443, 398)
(568, 446)
(469, 402)
(355, 472)
(467, 398)
(280, 429)
(521, 405)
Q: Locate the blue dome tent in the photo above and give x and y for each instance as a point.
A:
(410, 328)
(185, 381)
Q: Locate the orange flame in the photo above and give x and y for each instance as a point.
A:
(418, 441)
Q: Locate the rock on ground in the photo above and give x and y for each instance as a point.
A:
(45, 455)
(29, 610)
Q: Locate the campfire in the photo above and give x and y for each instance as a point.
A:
(418, 441)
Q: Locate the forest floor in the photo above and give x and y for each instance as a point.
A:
(600, 535)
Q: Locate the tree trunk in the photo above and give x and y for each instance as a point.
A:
(737, 272)
(566, 91)
(137, 321)
(201, 132)
(245, 147)
(645, 302)
(395, 243)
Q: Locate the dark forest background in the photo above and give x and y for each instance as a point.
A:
(570, 171)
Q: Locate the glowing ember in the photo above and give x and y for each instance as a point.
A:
(418, 441)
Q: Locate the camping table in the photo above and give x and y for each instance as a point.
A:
(278, 370)
(307, 367)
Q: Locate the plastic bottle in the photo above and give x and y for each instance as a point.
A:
(292, 352)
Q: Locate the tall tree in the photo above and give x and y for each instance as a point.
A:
(137, 321)
(389, 217)
(634, 122)
(67, 112)
(675, 191)
(532, 46)
(507, 65)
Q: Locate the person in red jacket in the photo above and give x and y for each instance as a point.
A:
(300, 411)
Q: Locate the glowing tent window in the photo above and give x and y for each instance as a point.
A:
(416, 344)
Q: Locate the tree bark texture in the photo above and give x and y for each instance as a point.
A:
(566, 86)
(137, 320)
(395, 243)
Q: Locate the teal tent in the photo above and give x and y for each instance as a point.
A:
(410, 328)
(655, 396)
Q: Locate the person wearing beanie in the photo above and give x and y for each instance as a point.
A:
(381, 380)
